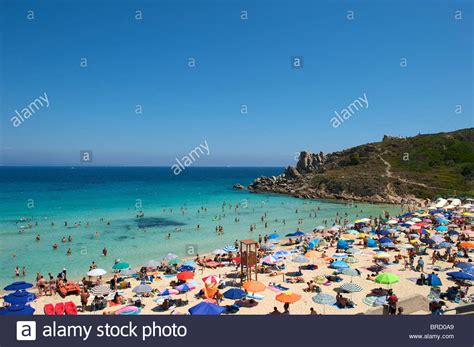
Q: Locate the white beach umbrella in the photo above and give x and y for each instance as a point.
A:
(153, 263)
(96, 272)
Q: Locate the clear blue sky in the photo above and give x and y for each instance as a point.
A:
(238, 62)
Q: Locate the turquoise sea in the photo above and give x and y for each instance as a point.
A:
(97, 195)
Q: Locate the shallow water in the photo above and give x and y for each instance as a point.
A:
(87, 195)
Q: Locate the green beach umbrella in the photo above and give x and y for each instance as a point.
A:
(174, 261)
(387, 278)
(121, 265)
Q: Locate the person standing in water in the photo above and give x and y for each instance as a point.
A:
(104, 252)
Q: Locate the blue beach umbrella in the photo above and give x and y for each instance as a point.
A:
(371, 243)
(234, 294)
(21, 285)
(298, 233)
(341, 244)
(273, 236)
(184, 288)
(206, 308)
(189, 263)
(445, 244)
(461, 275)
(281, 254)
(452, 232)
(20, 297)
(324, 299)
(17, 310)
(121, 265)
(464, 265)
(339, 255)
(383, 232)
(339, 264)
(385, 240)
(185, 268)
(442, 228)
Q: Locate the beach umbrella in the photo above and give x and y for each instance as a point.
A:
(185, 287)
(273, 236)
(270, 259)
(19, 297)
(174, 261)
(121, 265)
(253, 286)
(374, 300)
(466, 244)
(350, 272)
(267, 246)
(452, 233)
(189, 263)
(387, 278)
(288, 297)
(16, 310)
(382, 255)
(461, 275)
(464, 265)
(339, 264)
(434, 280)
(281, 254)
(96, 272)
(169, 257)
(445, 244)
(353, 251)
(385, 240)
(383, 232)
(351, 260)
(437, 238)
(406, 246)
(324, 299)
(153, 264)
(206, 308)
(320, 279)
(298, 233)
(442, 228)
(229, 248)
(127, 272)
(349, 236)
(387, 244)
(351, 287)
(142, 288)
(470, 271)
(234, 294)
(428, 241)
(210, 280)
(300, 259)
(352, 231)
(167, 292)
(100, 290)
(218, 251)
(339, 255)
(185, 275)
(21, 285)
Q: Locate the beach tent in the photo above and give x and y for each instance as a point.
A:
(18, 286)
(234, 294)
(433, 280)
(341, 244)
(206, 308)
(371, 243)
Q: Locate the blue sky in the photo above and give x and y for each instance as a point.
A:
(238, 62)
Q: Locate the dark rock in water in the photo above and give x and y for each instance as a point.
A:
(238, 186)
(150, 222)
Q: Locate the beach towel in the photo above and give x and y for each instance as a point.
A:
(255, 296)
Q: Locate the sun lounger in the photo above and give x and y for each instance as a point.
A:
(69, 288)
(48, 309)
(70, 308)
(59, 309)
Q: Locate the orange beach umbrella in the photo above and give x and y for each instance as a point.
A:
(254, 286)
(288, 297)
(467, 244)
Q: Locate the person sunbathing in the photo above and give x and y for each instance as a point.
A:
(118, 299)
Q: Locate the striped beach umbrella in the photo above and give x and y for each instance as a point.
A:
(350, 272)
(100, 290)
(127, 272)
(339, 264)
(229, 248)
(210, 280)
(324, 299)
(351, 287)
(270, 259)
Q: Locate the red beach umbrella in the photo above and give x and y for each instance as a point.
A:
(185, 275)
